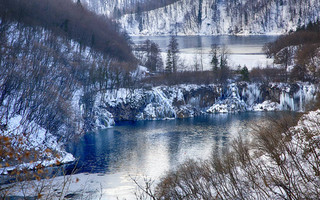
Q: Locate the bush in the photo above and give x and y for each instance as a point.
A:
(280, 162)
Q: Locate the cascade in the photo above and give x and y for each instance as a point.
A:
(229, 101)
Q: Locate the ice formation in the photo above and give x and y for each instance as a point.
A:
(229, 101)
(255, 97)
(181, 101)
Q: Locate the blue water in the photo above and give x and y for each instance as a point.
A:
(153, 147)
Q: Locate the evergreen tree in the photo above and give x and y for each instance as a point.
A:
(215, 58)
(154, 61)
(169, 63)
(245, 74)
(174, 50)
(215, 61)
(224, 68)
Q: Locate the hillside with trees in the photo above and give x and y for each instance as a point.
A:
(207, 17)
(298, 53)
(117, 8)
(55, 56)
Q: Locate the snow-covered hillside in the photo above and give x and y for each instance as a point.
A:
(207, 17)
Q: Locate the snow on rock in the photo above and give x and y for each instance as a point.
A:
(159, 106)
(266, 106)
(103, 119)
(161, 102)
(183, 101)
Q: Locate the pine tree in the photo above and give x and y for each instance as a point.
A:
(169, 63)
(153, 60)
(224, 68)
(245, 74)
(174, 50)
(215, 58)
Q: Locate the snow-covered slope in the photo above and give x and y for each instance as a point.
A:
(207, 17)
(48, 150)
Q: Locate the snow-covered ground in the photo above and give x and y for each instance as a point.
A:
(79, 186)
(31, 137)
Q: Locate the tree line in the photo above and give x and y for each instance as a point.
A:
(174, 71)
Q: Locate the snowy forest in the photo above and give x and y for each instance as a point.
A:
(207, 17)
(70, 69)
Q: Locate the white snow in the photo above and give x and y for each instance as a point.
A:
(84, 186)
(35, 138)
(266, 106)
(181, 18)
(229, 101)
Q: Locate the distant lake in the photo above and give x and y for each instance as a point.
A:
(244, 50)
(151, 148)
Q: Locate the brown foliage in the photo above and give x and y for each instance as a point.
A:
(269, 167)
(307, 42)
(267, 75)
(186, 77)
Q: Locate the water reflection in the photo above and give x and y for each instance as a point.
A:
(152, 147)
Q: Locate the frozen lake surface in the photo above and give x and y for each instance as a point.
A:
(243, 50)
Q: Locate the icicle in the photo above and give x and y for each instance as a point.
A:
(300, 100)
